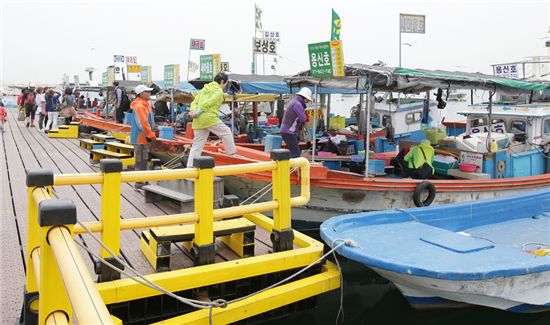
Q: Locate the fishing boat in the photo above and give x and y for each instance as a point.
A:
(511, 168)
(493, 253)
(516, 163)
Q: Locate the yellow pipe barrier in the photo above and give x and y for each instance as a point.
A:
(36, 264)
(88, 305)
(145, 222)
(53, 296)
(281, 194)
(245, 169)
(158, 175)
(243, 209)
(305, 193)
(35, 195)
(204, 206)
(57, 318)
(110, 211)
(78, 179)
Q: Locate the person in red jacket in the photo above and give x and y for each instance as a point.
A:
(143, 113)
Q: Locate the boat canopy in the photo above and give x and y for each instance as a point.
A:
(358, 76)
(186, 97)
(269, 84)
(184, 85)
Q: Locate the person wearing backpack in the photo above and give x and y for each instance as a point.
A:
(122, 103)
(30, 107)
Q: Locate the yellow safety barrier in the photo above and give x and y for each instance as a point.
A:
(52, 254)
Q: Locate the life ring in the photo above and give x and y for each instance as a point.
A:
(418, 192)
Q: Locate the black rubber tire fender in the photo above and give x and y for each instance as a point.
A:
(418, 192)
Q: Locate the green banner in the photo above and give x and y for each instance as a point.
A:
(105, 79)
(320, 60)
(207, 67)
(171, 75)
(145, 73)
(336, 25)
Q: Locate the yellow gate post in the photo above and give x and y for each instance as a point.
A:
(282, 235)
(204, 248)
(53, 296)
(110, 218)
(39, 180)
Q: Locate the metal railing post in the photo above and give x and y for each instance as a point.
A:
(36, 180)
(53, 296)
(282, 235)
(110, 217)
(204, 249)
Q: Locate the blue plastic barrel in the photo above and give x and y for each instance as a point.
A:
(272, 142)
(166, 132)
(359, 145)
(333, 165)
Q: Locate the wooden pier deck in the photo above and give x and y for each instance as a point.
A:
(25, 148)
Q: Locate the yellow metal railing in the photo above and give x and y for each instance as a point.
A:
(52, 254)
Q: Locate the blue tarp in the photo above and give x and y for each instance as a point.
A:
(184, 85)
(282, 88)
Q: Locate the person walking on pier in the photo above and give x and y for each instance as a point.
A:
(293, 116)
(205, 111)
(40, 102)
(122, 102)
(29, 104)
(3, 115)
(142, 125)
(52, 107)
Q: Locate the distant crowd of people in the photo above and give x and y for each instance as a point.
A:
(40, 107)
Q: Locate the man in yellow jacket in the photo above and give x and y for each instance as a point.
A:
(205, 110)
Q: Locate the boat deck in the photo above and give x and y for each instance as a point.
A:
(25, 148)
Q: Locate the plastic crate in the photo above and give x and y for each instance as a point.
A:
(442, 168)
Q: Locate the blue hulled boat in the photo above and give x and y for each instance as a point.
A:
(492, 253)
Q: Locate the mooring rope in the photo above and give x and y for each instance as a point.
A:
(218, 303)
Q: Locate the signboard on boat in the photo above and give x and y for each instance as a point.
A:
(120, 66)
(171, 75)
(105, 79)
(134, 72)
(210, 65)
(271, 35)
(224, 66)
(326, 59)
(131, 60)
(472, 158)
(146, 73)
(415, 24)
(197, 44)
(264, 46)
(506, 71)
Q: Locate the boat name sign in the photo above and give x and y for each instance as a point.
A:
(326, 59)
(472, 158)
(264, 46)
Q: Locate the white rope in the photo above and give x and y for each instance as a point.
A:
(264, 189)
(219, 303)
(145, 281)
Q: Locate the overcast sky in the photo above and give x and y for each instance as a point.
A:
(41, 40)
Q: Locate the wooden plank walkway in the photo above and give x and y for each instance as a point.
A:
(25, 148)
